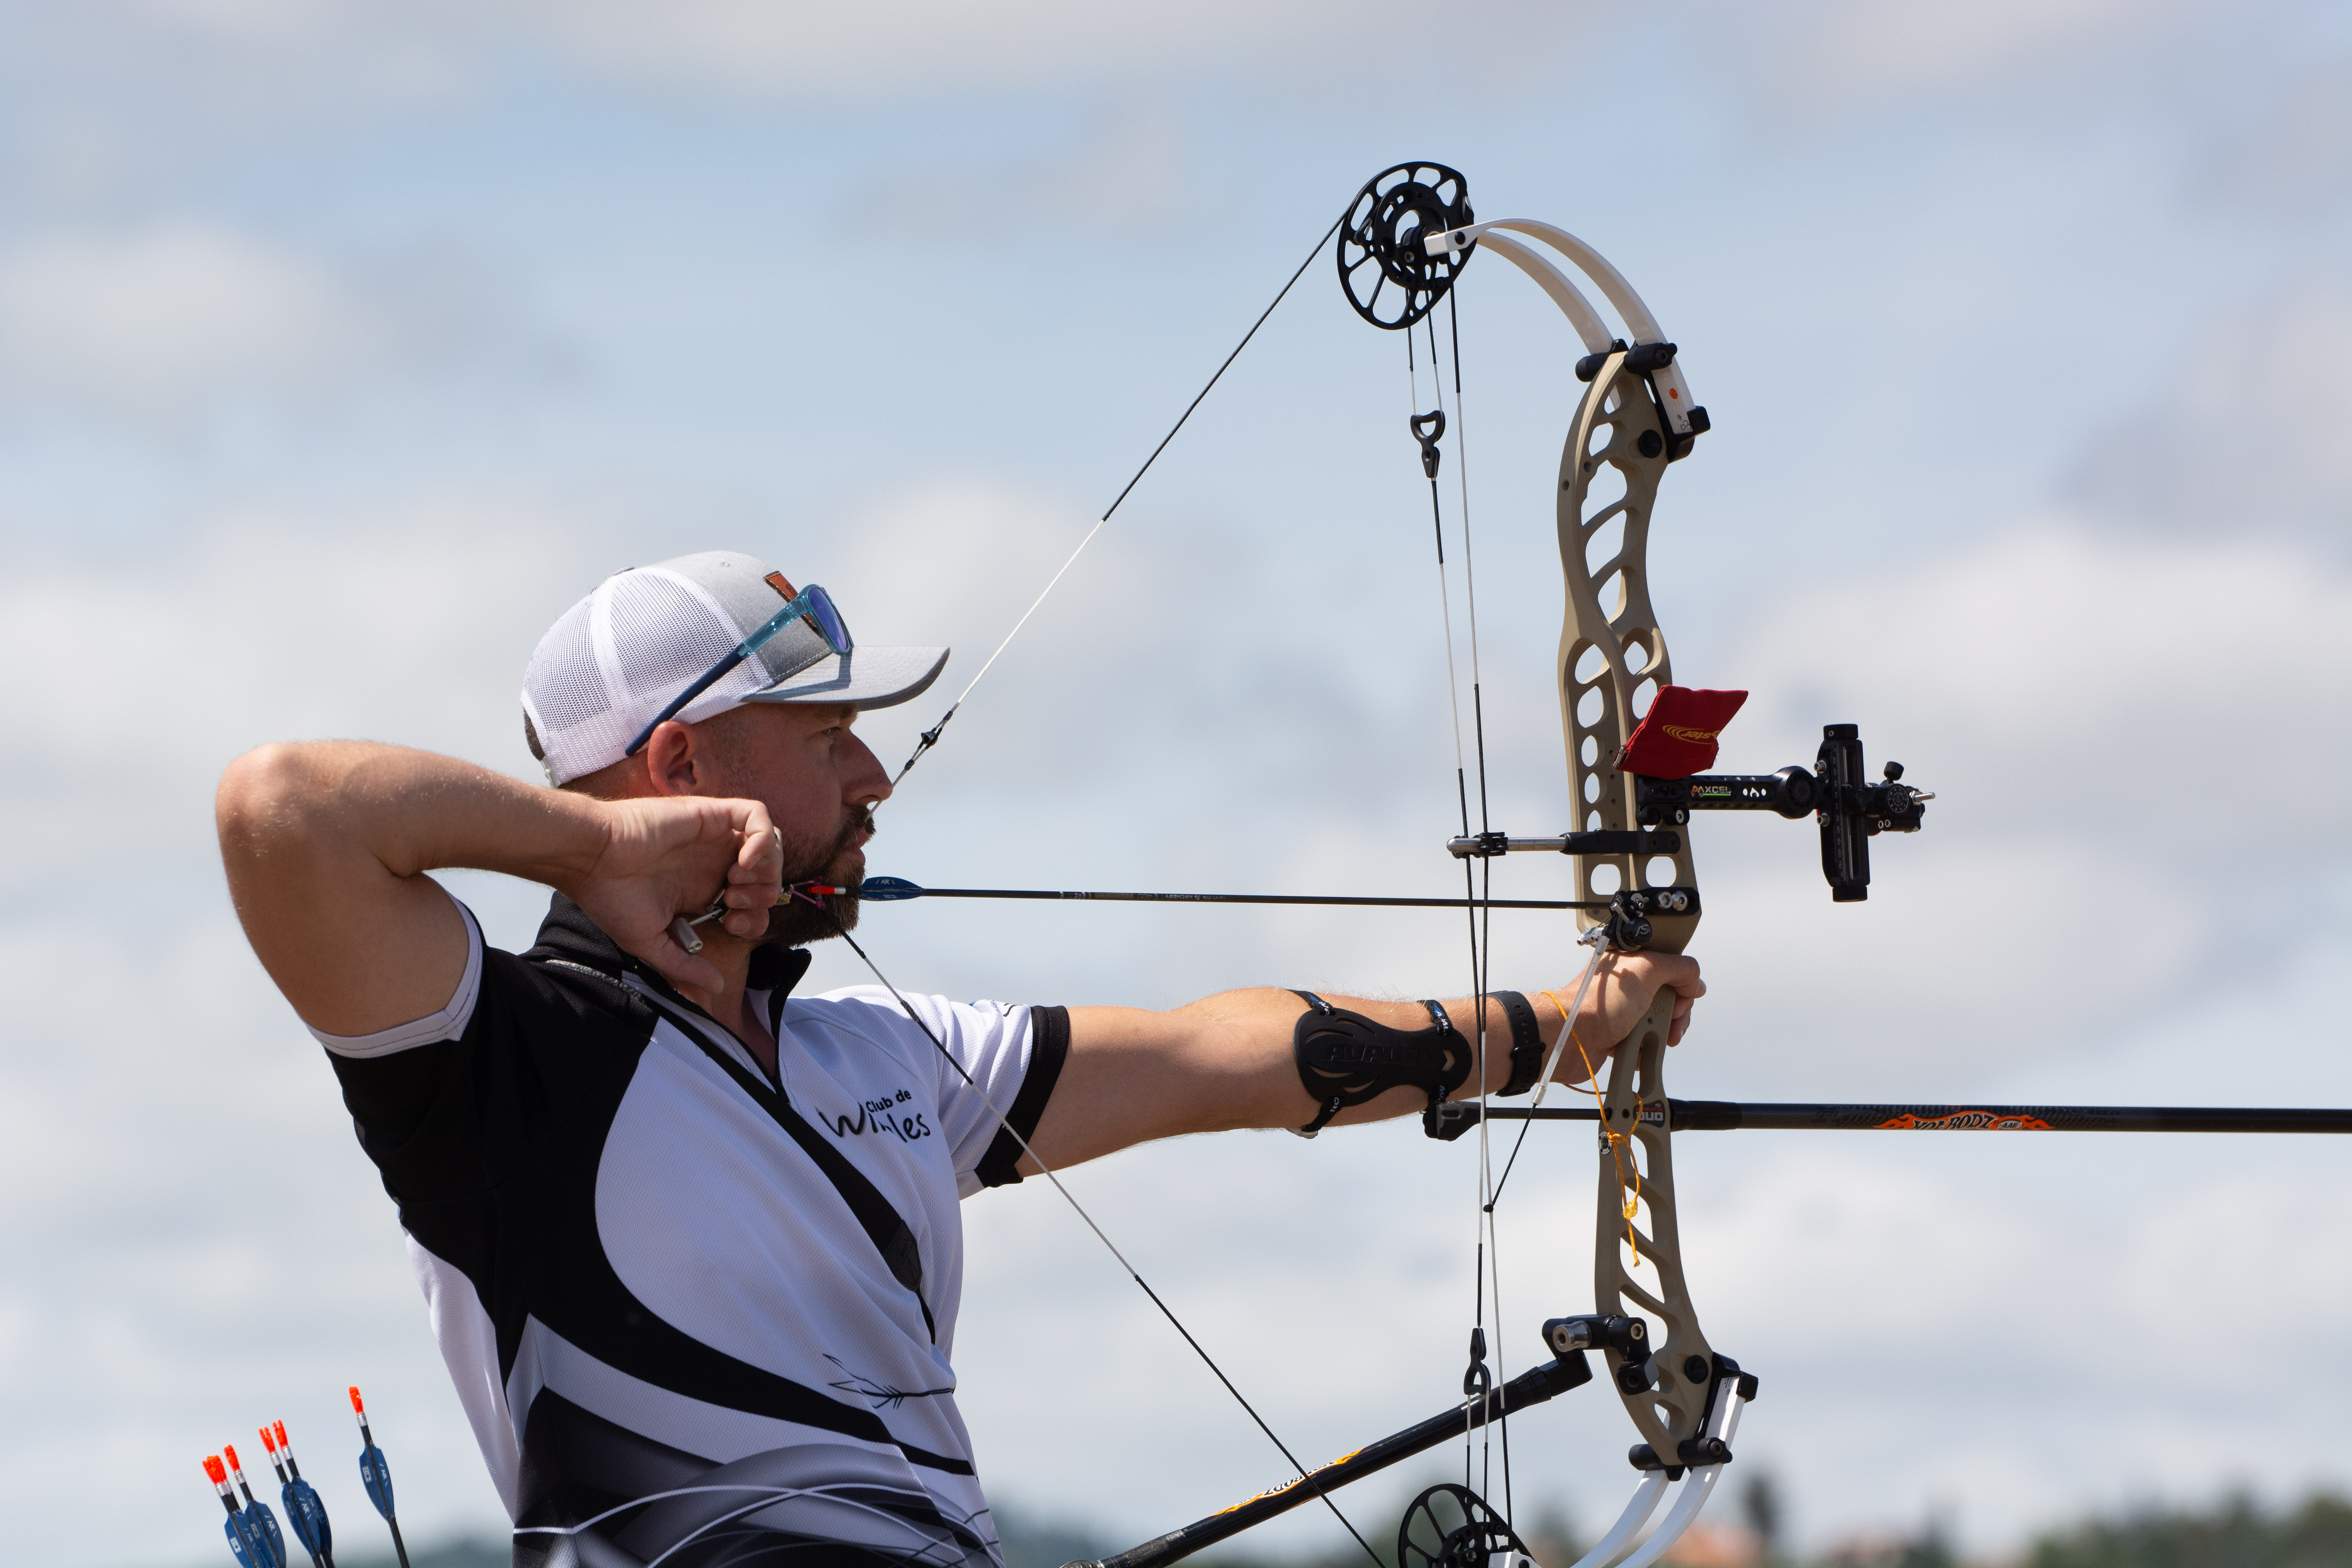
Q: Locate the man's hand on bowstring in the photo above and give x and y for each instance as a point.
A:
(1619, 998)
(667, 857)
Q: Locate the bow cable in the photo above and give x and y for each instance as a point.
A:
(930, 737)
(1481, 941)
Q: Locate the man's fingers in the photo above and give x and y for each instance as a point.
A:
(748, 924)
(762, 846)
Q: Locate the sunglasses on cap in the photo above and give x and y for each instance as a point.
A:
(812, 605)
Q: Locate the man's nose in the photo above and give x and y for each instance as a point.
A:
(868, 780)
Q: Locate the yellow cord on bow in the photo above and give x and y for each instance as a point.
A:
(1633, 1201)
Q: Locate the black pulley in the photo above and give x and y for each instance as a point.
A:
(1453, 1527)
(1389, 276)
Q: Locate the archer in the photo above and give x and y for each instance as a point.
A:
(691, 1242)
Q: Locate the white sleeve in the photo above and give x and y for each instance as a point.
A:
(445, 1024)
(990, 1042)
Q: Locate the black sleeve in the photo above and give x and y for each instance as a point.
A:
(1049, 1047)
(450, 1120)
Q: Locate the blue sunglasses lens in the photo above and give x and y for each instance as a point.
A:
(827, 620)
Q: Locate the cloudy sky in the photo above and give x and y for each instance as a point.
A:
(344, 344)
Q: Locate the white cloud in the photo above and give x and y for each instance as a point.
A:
(375, 55)
(2293, 162)
(818, 52)
(164, 325)
(1128, 171)
(157, 322)
(410, 624)
(1837, 53)
(2246, 441)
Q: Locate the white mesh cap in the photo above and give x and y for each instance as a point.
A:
(619, 657)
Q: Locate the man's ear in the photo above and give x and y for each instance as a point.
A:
(677, 760)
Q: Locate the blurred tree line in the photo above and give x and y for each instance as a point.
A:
(2238, 1532)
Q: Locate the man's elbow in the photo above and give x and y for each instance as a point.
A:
(267, 795)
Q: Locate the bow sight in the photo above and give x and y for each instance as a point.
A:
(1849, 810)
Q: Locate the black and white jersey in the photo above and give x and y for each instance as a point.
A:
(696, 1314)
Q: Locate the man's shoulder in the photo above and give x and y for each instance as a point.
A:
(879, 1013)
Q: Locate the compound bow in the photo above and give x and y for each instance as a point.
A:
(1636, 743)
(1407, 240)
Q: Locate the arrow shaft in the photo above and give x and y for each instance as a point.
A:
(1255, 899)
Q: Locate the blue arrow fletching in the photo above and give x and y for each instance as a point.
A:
(375, 1474)
(305, 1515)
(241, 1543)
(265, 1529)
(888, 890)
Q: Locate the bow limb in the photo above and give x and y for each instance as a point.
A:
(1674, 393)
(1554, 282)
(1614, 1546)
(1697, 1485)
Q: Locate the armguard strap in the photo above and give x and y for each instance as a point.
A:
(1346, 1058)
(1527, 1042)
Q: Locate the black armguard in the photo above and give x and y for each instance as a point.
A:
(1345, 1058)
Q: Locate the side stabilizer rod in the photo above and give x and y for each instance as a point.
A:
(1451, 1120)
(1529, 1389)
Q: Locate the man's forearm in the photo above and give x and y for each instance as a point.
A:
(408, 811)
(1229, 1060)
(1259, 1028)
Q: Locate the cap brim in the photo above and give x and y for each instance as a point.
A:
(864, 678)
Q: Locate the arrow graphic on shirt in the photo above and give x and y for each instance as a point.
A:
(882, 1395)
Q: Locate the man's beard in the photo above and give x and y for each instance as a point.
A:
(797, 922)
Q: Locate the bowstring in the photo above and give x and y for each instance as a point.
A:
(1477, 884)
(930, 737)
(1046, 1170)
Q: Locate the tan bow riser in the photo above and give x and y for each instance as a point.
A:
(1613, 659)
(1613, 656)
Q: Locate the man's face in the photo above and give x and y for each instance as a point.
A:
(820, 785)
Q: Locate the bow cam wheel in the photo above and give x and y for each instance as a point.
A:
(1452, 1527)
(1389, 278)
